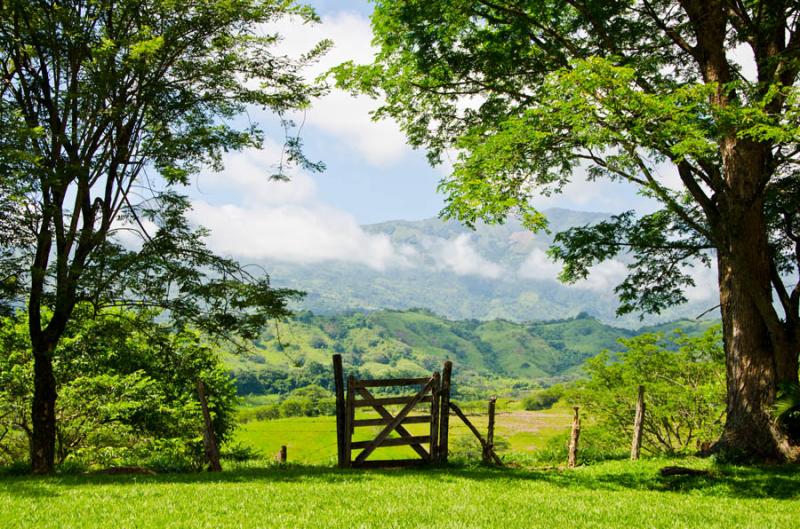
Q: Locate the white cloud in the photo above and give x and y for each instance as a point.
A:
(295, 233)
(706, 281)
(742, 55)
(460, 256)
(348, 119)
(603, 277)
(339, 114)
(539, 266)
(247, 176)
(253, 217)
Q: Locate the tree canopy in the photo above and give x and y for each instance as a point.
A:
(694, 102)
(109, 108)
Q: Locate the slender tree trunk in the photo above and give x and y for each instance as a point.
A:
(43, 414)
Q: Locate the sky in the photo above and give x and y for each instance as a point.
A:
(371, 174)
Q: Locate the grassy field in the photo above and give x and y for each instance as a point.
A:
(310, 493)
(612, 494)
(312, 440)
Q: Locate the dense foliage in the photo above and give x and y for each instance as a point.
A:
(684, 381)
(108, 108)
(127, 392)
(695, 103)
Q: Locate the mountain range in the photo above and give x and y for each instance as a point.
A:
(493, 272)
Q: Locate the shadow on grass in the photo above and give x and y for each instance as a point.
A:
(732, 482)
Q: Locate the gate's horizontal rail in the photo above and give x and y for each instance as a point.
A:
(385, 401)
(400, 441)
(380, 422)
(385, 382)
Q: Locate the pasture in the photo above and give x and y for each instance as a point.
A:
(312, 440)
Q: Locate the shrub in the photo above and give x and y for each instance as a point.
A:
(127, 392)
(684, 381)
(543, 399)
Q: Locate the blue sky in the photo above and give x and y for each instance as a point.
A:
(372, 174)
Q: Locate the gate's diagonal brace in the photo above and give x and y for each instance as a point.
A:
(384, 413)
(471, 426)
(398, 419)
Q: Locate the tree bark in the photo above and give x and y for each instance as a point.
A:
(43, 414)
(757, 349)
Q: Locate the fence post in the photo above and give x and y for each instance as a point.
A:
(487, 450)
(573, 439)
(638, 425)
(434, 444)
(338, 380)
(209, 439)
(282, 454)
(444, 419)
(348, 420)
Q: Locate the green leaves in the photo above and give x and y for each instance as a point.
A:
(126, 384)
(684, 381)
(525, 95)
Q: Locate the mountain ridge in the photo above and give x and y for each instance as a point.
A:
(493, 272)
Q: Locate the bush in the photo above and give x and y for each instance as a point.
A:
(684, 381)
(467, 447)
(543, 399)
(127, 392)
(594, 446)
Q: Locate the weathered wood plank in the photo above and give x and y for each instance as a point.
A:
(638, 425)
(384, 413)
(475, 431)
(349, 417)
(434, 428)
(387, 401)
(394, 424)
(393, 441)
(572, 458)
(338, 378)
(444, 420)
(489, 448)
(386, 382)
(383, 420)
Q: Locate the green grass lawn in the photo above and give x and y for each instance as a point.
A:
(613, 494)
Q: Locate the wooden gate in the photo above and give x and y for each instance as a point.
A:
(431, 391)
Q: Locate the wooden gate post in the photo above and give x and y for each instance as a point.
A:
(638, 425)
(349, 416)
(434, 444)
(444, 419)
(487, 450)
(209, 439)
(338, 380)
(573, 439)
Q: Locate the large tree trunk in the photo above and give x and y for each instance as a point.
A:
(758, 353)
(43, 413)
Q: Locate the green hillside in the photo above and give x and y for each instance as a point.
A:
(489, 356)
